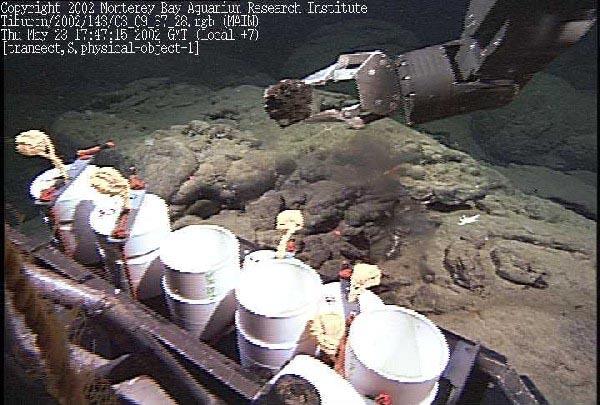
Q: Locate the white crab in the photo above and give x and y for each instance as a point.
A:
(464, 220)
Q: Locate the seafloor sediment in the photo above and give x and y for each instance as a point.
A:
(520, 278)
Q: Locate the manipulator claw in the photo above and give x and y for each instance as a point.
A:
(289, 101)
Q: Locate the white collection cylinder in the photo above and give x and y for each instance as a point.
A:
(272, 355)
(150, 228)
(397, 351)
(201, 261)
(202, 318)
(277, 298)
(79, 190)
(247, 362)
(146, 272)
(258, 256)
(72, 211)
(141, 252)
(333, 389)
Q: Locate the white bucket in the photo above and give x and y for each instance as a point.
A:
(206, 285)
(150, 228)
(332, 388)
(247, 362)
(146, 272)
(277, 299)
(72, 211)
(201, 261)
(431, 397)
(258, 256)
(203, 318)
(397, 351)
(272, 355)
(79, 190)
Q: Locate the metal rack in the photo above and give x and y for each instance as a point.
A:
(475, 374)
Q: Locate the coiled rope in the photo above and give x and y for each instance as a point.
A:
(108, 180)
(37, 143)
(290, 221)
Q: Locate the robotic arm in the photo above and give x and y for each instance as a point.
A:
(503, 44)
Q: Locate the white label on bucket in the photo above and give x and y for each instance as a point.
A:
(210, 277)
(210, 286)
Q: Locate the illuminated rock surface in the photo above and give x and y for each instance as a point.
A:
(521, 279)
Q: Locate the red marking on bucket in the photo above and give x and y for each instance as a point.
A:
(383, 399)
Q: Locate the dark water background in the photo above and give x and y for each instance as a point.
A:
(39, 88)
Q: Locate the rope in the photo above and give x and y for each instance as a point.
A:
(291, 221)
(64, 383)
(37, 143)
(328, 329)
(363, 276)
(283, 243)
(108, 180)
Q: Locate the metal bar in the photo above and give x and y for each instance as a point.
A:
(508, 380)
(349, 307)
(209, 361)
(114, 264)
(178, 375)
(21, 241)
(122, 320)
(133, 318)
(120, 369)
(55, 259)
(97, 297)
(459, 368)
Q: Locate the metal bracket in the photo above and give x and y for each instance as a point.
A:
(349, 307)
(459, 369)
(115, 262)
(378, 86)
(75, 169)
(136, 198)
(375, 79)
